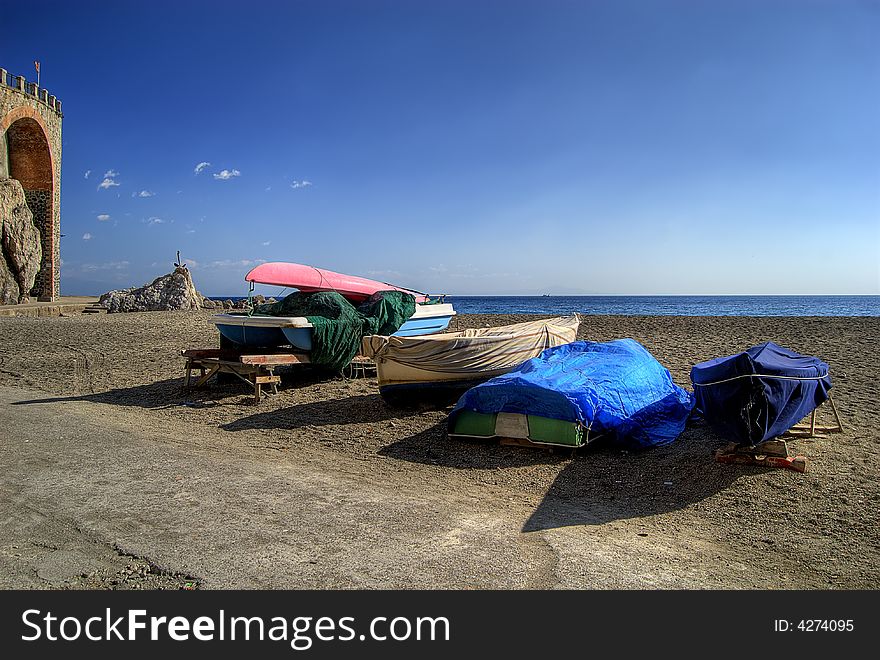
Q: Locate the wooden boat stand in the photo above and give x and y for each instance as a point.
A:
(255, 370)
(774, 452)
(801, 430)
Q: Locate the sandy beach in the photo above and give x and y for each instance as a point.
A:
(604, 518)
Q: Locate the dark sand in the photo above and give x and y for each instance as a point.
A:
(745, 527)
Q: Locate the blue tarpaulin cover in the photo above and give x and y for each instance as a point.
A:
(615, 387)
(759, 393)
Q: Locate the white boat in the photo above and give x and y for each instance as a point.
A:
(270, 331)
(450, 362)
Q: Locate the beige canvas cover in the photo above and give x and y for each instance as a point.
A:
(465, 355)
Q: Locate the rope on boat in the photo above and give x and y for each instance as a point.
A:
(727, 380)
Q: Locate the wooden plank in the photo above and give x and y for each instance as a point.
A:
(237, 366)
(279, 358)
(267, 380)
(836, 414)
(276, 359)
(805, 432)
(199, 353)
(518, 442)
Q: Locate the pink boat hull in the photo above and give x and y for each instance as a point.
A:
(310, 279)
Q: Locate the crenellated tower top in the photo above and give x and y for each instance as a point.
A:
(30, 89)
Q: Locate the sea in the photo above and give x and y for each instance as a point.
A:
(666, 305)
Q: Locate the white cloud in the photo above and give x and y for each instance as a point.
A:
(201, 166)
(300, 184)
(222, 263)
(143, 193)
(109, 179)
(110, 265)
(190, 231)
(153, 220)
(266, 243)
(235, 263)
(268, 188)
(87, 173)
(225, 175)
(87, 236)
(103, 217)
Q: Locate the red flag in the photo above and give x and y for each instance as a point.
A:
(37, 66)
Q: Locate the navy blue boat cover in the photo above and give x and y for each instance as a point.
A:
(759, 393)
(615, 387)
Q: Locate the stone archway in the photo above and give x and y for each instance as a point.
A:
(28, 159)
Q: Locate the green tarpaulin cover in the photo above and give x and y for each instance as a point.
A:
(339, 326)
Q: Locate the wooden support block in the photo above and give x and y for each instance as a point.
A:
(795, 463)
(517, 442)
(774, 457)
(524, 442)
(772, 447)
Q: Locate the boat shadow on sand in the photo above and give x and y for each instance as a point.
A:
(600, 483)
(170, 393)
(352, 409)
(159, 394)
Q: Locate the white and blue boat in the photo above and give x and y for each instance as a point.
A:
(272, 331)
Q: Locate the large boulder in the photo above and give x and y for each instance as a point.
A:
(174, 291)
(20, 248)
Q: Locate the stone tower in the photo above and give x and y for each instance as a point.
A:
(30, 154)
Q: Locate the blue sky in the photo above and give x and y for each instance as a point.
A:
(651, 147)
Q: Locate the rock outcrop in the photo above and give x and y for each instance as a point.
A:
(174, 291)
(20, 249)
